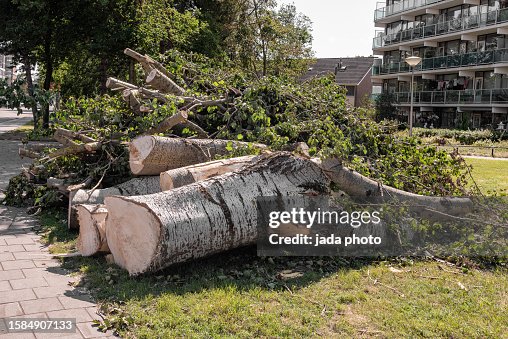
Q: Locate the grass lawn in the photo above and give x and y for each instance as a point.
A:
(490, 175)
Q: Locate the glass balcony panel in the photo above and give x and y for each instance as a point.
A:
(404, 67)
(501, 55)
(486, 57)
(426, 97)
(427, 63)
(453, 60)
(438, 97)
(500, 95)
(469, 59)
(452, 97)
(503, 15)
(467, 97)
(429, 30)
(460, 24)
(440, 62)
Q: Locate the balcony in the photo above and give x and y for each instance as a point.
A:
(485, 97)
(441, 28)
(446, 62)
(402, 6)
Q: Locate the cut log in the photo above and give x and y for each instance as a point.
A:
(26, 153)
(163, 83)
(76, 149)
(73, 135)
(359, 186)
(167, 124)
(92, 230)
(136, 186)
(146, 62)
(179, 177)
(148, 233)
(152, 155)
(115, 85)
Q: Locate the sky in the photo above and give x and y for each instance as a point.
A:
(341, 28)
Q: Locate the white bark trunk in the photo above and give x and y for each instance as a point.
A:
(179, 177)
(359, 186)
(163, 83)
(92, 230)
(136, 186)
(152, 155)
(149, 233)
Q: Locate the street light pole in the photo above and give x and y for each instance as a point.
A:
(412, 102)
(412, 61)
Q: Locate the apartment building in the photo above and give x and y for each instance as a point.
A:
(462, 80)
(7, 69)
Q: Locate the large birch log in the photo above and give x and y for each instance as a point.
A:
(152, 155)
(148, 233)
(92, 230)
(359, 186)
(163, 83)
(179, 177)
(136, 186)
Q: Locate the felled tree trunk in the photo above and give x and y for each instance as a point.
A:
(359, 186)
(136, 186)
(152, 155)
(92, 229)
(179, 177)
(163, 83)
(148, 233)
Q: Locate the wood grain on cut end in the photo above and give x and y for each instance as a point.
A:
(92, 232)
(133, 234)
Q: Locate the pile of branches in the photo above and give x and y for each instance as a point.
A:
(197, 99)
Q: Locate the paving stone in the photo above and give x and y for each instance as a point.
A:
(34, 247)
(23, 240)
(90, 331)
(47, 263)
(17, 295)
(35, 272)
(80, 314)
(32, 255)
(76, 335)
(11, 274)
(54, 291)
(2, 242)
(36, 315)
(6, 256)
(93, 312)
(81, 301)
(59, 280)
(17, 336)
(41, 305)
(11, 248)
(10, 310)
(28, 283)
(15, 231)
(17, 264)
(5, 286)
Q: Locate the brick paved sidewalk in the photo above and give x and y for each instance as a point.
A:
(32, 283)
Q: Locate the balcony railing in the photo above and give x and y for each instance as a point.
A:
(465, 97)
(441, 28)
(402, 6)
(444, 62)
